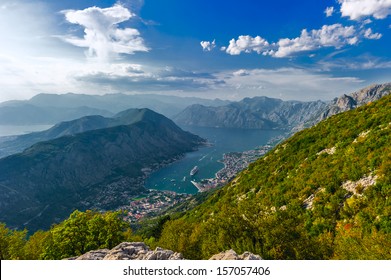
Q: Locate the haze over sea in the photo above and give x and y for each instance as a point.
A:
(8, 130)
(176, 177)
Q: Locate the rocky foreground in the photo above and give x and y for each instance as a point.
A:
(140, 251)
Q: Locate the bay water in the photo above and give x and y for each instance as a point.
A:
(176, 176)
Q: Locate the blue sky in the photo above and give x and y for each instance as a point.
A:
(303, 50)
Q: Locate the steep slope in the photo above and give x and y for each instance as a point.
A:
(324, 193)
(96, 169)
(348, 102)
(19, 143)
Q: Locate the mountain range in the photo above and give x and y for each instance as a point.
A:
(54, 108)
(95, 163)
(16, 144)
(272, 113)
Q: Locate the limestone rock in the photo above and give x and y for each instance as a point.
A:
(94, 255)
(131, 251)
(140, 251)
(232, 255)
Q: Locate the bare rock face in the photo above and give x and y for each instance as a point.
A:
(356, 99)
(131, 251)
(232, 255)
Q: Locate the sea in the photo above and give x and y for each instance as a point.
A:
(176, 176)
(10, 130)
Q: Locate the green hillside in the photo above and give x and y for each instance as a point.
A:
(324, 193)
(96, 169)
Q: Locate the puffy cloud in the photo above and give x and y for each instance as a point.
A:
(356, 9)
(102, 36)
(208, 46)
(334, 35)
(329, 11)
(247, 44)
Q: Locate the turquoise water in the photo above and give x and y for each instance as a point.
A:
(176, 177)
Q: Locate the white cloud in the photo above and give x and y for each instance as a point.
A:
(356, 9)
(365, 62)
(368, 33)
(207, 45)
(247, 44)
(286, 83)
(329, 11)
(334, 35)
(102, 36)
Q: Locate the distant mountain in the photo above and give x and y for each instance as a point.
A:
(348, 102)
(54, 108)
(28, 114)
(324, 193)
(16, 144)
(97, 168)
(251, 113)
(271, 113)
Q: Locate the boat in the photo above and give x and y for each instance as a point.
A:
(194, 170)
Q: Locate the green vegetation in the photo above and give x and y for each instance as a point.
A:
(80, 233)
(292, 204)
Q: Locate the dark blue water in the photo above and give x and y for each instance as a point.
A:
(176, 177)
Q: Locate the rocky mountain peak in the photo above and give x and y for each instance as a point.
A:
(361, 97)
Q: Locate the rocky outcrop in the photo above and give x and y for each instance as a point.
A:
(350, 101)
(232, 255)
(131, 251)
(140, 251)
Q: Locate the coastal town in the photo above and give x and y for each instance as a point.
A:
(234, 162)
(151, 203)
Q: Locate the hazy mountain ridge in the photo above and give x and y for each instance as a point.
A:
(251, 113)
(97, 168)
(19, 143)
(271, 113)
(53, 108)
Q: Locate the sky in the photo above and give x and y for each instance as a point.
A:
(293, 50)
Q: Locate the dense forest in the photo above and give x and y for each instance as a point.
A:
(322, 194)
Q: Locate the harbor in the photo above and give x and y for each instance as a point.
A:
(214, 168)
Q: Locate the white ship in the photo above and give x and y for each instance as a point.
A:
(194, 170)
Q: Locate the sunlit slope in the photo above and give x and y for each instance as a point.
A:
(324, 193)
